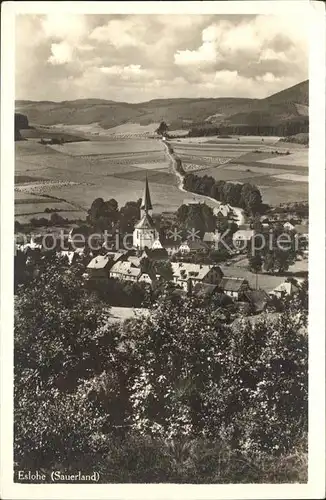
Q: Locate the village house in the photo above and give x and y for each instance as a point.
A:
(197, 273)
(242, 238)
(155, 254)
(302, 237)
(171, 246)
(212, 239)
(258, 300)
(127, 271)
(233, 287)
(35, 243)
(286, 288)
(204, 290)
(224, 212)
(288, 226)
(192, 246)
(99, 267)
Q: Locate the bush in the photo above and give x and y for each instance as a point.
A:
(157, 398)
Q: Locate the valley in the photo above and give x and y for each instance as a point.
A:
(79, 172)
(75, 151)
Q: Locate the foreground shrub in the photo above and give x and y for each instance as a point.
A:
(157, 398)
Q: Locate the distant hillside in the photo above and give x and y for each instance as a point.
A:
(288, 106)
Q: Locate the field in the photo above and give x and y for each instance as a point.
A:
(69, 177)
(264, 281)
(124, 131)
(74, 174)
(279, 169)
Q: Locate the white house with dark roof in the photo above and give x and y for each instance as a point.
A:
(233, 287)
(127, 271)
(145, 232)
(99, 267)
(223, 209)
(242, 237)
(197, 273)
(191, 246)
(285, 288)
(289, 226)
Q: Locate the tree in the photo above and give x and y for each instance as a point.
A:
(56, 219)
(182, 213)
(278, 256)
(95, 211)
(255, 263)
(70, 379)
(217, 382)
(219, 255)
(103, 214)
(129, 215)
(162, 129)
(164, 269)
(179, 373)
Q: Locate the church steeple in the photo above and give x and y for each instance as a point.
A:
(145, 232)
(146, 204)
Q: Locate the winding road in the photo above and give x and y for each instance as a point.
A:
(200, 197)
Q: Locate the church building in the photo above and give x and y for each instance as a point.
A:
(145, 232)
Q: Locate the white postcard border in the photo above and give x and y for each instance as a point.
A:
(315, 488)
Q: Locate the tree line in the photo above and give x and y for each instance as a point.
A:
(246, 196)
(283, 129)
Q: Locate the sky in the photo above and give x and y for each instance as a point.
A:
(135, 58)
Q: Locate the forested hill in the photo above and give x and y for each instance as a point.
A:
(284, 113)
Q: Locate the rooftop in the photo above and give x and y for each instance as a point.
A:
(286, 287)
(204, 289)
(232, 284)
(156, 253)
(211, 237)
(99, 262)
(125, 269)
(225, 210)
(244, 234)
(185, 270)
(146, 222)
(146, 200)
(194, 244)
(257, 298)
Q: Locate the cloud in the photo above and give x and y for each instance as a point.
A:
(65, 27)
(140, 57)
(242, 46)
(120, 33)
(61, 53)
(130, 72)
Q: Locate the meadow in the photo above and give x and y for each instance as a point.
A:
(69, 177)
(279, 169)
(77, 173)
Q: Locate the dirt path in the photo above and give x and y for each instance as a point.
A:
(238, 211)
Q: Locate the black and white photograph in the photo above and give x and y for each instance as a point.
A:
(162, 247)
